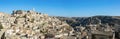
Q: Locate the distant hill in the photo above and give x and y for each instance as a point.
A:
(83, 21)
(103, 23)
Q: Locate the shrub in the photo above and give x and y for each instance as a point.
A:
(1, 27)
(32, 20)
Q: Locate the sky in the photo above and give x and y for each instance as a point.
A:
(69, 8)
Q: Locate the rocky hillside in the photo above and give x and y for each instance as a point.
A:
(99, 23)
(32, 25)
(83, 21)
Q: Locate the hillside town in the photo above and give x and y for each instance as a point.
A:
(29, 24)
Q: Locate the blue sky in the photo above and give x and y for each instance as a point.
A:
(68, 8)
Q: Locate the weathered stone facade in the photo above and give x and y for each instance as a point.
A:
(32, 25)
